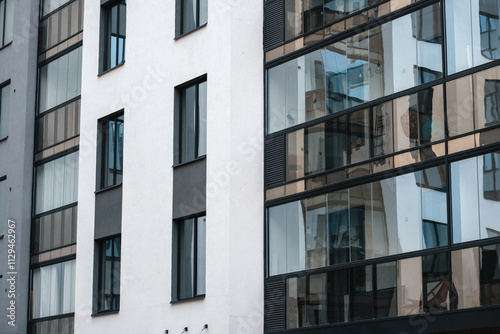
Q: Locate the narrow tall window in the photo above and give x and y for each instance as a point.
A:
(191, 257)
(114, 27)
(112, 151)
(6, 21)
(4, 110)
(193, 122)
(194, 15)
(109, 275)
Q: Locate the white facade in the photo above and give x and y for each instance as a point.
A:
(229, 51)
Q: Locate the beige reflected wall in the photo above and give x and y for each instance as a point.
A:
(465, 276)
(410, 286)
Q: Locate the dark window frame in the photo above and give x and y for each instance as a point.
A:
(180, 11)
(101, 245)
(176, 260)
(4, 85)
(105, 55)
(3, 23)
(103, 150)
(179, 126)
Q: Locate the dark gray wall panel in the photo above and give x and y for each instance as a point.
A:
(189, 189)
(108, 212)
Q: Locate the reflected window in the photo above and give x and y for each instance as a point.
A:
(439, 293)
(488, 22)
(491, 102)
(190, 237)
(6, 22)
(490, 275)
(108, 295)
(4, 110)
(114, 29)
(491, 176)
(111, 160)
(193, 15)
(192, 118)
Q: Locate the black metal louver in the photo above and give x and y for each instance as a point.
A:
(274, 27)
(274, 305)
(275, 161)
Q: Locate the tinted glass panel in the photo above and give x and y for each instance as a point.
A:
(465, 275)
(490, 275)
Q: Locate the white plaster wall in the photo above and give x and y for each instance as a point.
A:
(229, 51)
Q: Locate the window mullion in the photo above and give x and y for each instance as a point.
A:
(115, 150)
(117, 32)
(195, 257)
(197, 121)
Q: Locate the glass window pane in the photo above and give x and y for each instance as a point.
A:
(295, 302)
(385, 291)
(408, 202)
(53, 290)
(436, 284)
(4, 111)
(384, 215)
(458, 35)
(277, 240)
(339, 305)
(314, 142)
(295, 236)
(313, 14)
(381, 131)
(316, 225)
(56, 183)
(203, 12)
(358, 136)
(362, 293)
(186, 259)
(357, 70)
(338, 227)
(2, 22)
(410, 286)
(488, 168)
(188, 124)
(293, 18)
(434, 207)
(9, 22)
(201, 256)
(202, 119)
(333, 10)
(60, 80)
(314, 85)
(188, 15)
(335, 142)
(459, 106)
(295, 156)
(336, 77)
(404, 52)
(464, 200)
(486, 93)
(490, 275)
(276, 104)
(429, 39)
(405, 122)
(465, 276)
(360, 222)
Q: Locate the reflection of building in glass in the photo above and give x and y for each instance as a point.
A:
(401, 166)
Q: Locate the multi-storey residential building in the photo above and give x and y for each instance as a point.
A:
(290, 166)
(382, 166)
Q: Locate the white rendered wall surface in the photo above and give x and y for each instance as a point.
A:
(229, 50)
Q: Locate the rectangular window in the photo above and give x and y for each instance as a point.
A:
(190, 237)
(192, 121)
(193, 15)
(56, 183)
(114, 27)
(51, 5)
(3, 205)
(4, 110)
(112, 151)
(109, 275)
(6, 21)
(53, 290)
(60, 80)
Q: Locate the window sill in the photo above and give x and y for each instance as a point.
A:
(189, 162)
(4, 139)
(200, 297)
(108, 188)
(109, 70)
(189, 32)
(100, 314)
(6, 45)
